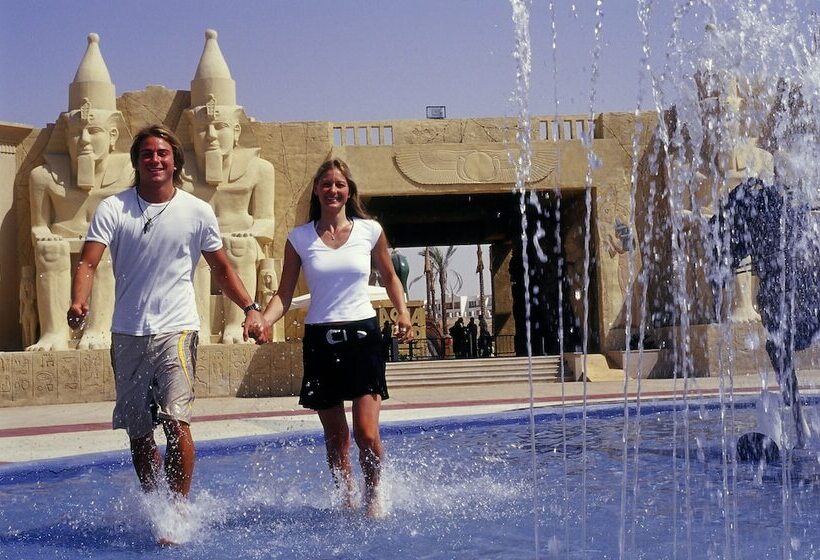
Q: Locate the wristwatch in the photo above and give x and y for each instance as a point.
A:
(253, 306)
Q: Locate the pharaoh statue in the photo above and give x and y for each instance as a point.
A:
(226, 170)
(86, 160)
(732, 149)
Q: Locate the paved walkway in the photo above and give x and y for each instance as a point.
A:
(32, 433)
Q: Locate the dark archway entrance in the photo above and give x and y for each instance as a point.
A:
(495, 219)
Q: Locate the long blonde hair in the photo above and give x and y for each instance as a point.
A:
(354, 208)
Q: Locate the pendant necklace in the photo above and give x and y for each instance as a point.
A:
(149, 221)
(316, 227)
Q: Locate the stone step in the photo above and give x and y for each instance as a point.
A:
(472, 364)
(478, 371)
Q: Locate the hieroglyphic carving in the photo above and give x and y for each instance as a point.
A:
(202, 381)
(68, 376)
(5, 381)
(466, 164)
(240, 358)
(22, 388)
(44, 377)
(94, 373)
(219, 370)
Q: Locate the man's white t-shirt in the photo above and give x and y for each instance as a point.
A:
(337, 278)
(154, 270)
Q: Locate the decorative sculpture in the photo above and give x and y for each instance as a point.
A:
(232, 178)
(773, 225)
(86, 160)
(401, 266)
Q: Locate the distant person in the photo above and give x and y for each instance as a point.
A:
(342, 346)
(458, 334)
(156, 234)
(472, 338)
(387, 341)
(485, 339)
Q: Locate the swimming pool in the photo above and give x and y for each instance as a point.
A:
(455, 488)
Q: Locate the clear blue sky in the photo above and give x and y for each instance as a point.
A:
(323, 60)
(339, 60)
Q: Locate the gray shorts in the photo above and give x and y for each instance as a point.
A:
(154, 379)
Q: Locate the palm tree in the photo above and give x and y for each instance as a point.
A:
(454, 284)
(479, 269)
(428, 276)
(440, 262)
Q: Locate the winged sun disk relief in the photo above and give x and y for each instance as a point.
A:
(443, 166)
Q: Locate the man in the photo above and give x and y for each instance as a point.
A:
(156, 234)
(472, 337)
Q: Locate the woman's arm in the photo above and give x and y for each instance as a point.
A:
(395, 291)
(280, 302)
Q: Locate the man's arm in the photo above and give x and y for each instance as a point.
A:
(83, 280)
(231, 285)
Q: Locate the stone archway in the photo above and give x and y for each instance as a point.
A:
(495, 219)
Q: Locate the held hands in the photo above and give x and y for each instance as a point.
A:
(76, 315)
(256, 327)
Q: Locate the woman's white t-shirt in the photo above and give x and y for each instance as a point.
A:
(337, 278)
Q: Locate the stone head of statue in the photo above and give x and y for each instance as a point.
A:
(90, 135)
(214, 130)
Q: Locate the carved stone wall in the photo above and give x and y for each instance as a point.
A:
(241, 370)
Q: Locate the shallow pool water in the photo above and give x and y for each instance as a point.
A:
(454, 488)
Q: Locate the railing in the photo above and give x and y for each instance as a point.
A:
(431, 349)
(544, 128)
(362, 134)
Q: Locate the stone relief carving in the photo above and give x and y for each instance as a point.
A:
(86, 160)
(463, 164)
(28, 306)
(224, 168)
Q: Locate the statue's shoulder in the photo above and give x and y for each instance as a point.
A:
(55, 170)
(262, 167)
(119, 171)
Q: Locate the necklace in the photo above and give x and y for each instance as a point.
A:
(149, 221)
(332, 235)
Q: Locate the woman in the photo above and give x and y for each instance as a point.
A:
(342, 352)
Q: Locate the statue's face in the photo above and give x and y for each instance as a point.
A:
(219, 132)
(93, 137)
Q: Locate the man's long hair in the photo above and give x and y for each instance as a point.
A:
(158, 131)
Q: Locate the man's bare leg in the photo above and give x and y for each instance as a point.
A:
(180, 456)
(147, 461)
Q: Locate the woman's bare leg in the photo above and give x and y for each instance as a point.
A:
(366, 411)
(337, 444)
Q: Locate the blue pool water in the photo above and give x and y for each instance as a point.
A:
(454, 488)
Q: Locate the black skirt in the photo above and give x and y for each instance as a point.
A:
(342, 361)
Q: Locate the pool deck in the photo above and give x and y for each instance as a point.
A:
(33, 433)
